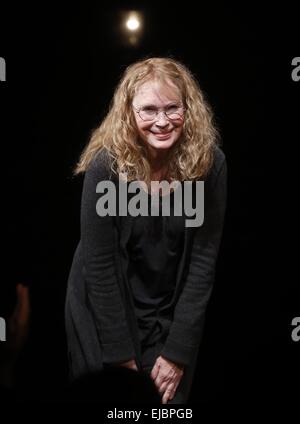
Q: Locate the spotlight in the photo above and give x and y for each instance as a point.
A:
(133, 23)
(132, 27)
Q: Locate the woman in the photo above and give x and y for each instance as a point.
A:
(139, 285)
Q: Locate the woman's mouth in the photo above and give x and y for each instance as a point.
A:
(162, 136)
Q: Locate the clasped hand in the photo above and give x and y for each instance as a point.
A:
(166, 376)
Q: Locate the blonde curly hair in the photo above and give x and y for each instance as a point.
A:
(191, 157)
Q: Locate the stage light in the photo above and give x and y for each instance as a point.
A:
(132, 27)
(132, 23)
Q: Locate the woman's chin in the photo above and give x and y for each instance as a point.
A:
(161, 144)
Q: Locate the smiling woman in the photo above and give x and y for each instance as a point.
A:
(139, 285)
(159, 117)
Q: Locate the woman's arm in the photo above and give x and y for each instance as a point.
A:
(99, 238)
(185, 331)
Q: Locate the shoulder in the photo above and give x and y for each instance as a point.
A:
(100, 165)
(218, 166)
(218, 170)
(219, 161)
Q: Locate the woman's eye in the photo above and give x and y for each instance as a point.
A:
(172, 108)
(149, 109)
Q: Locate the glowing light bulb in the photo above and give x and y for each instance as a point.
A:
(132, 23)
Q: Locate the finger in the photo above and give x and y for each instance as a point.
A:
(154, 371)
(172, 394)
(162, 388)
(165, 375)
(161, 377)
(168, 393)
(158, 381)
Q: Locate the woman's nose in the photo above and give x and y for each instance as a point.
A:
(161, 119)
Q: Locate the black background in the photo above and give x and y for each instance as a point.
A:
(63, 63)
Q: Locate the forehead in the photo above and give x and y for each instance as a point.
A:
(157, 92)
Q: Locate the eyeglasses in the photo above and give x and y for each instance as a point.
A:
(150, 113)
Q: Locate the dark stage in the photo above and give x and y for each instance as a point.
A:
(62, 65)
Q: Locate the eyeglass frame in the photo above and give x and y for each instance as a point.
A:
(158, 111)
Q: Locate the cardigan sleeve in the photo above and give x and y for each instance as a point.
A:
(187, 325)
(98, 237)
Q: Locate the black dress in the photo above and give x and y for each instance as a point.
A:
(154, 250)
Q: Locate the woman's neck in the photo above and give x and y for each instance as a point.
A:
(159, 162)
(159, 171)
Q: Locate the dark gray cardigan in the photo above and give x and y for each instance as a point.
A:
(100, 320)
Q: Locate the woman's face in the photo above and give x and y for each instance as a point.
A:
(160, 133)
